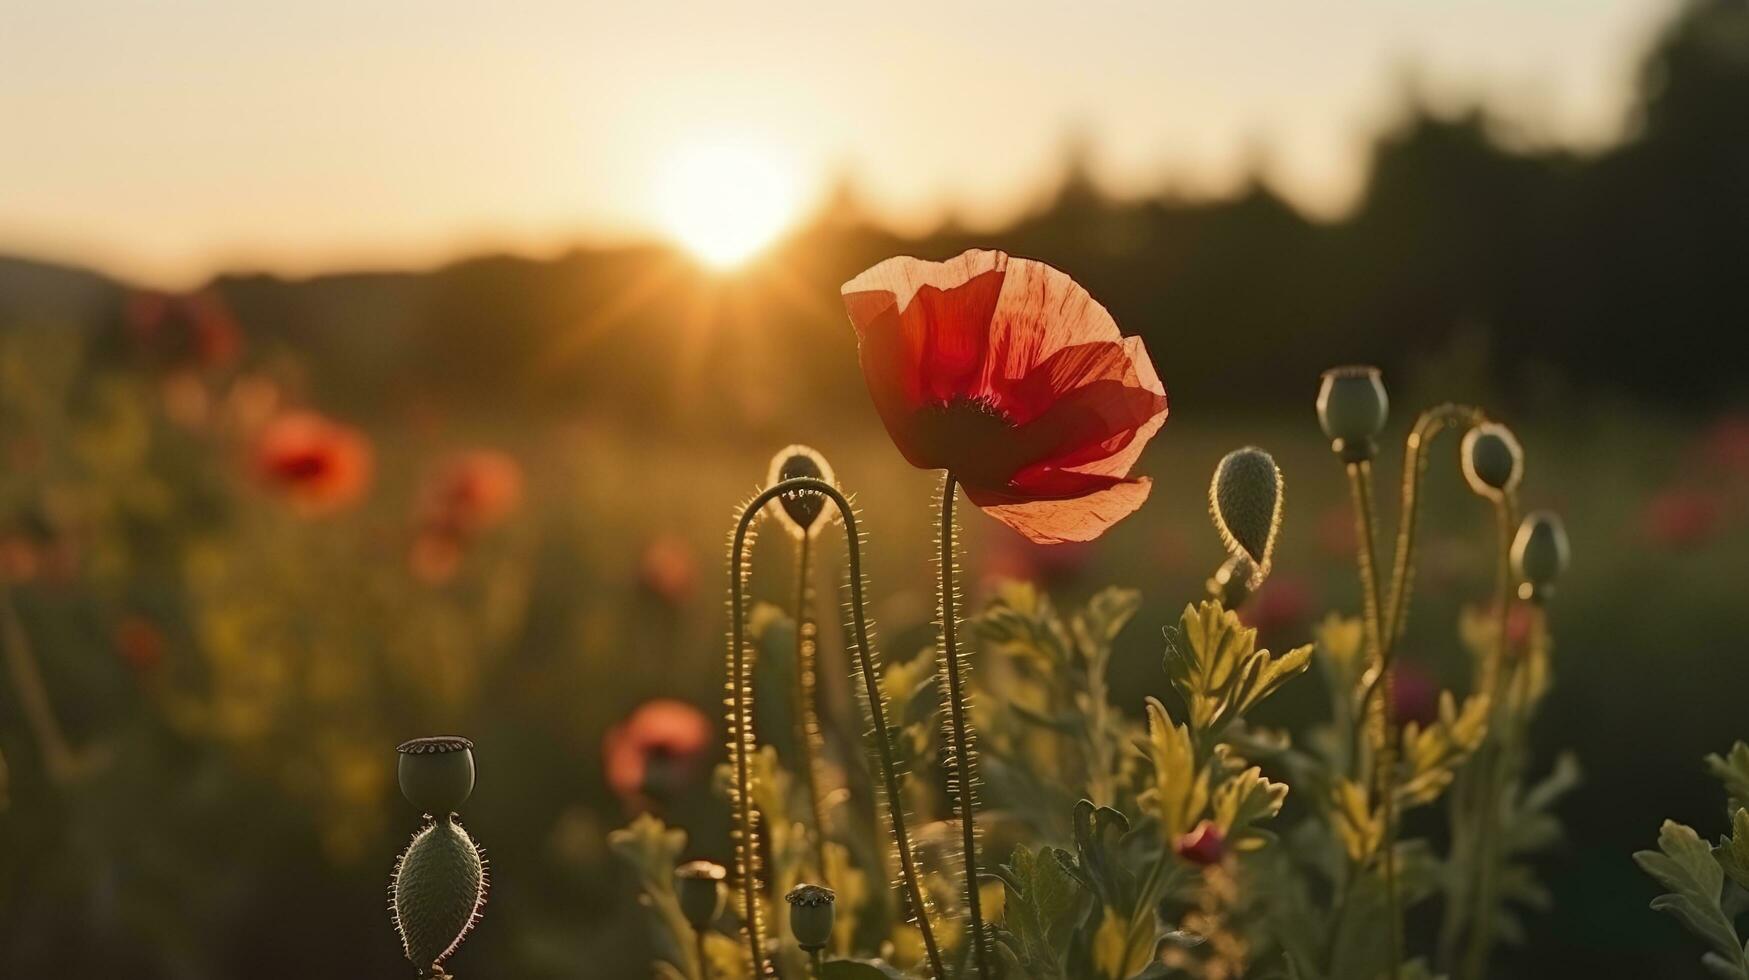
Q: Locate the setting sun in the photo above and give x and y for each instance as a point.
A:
(725, 201)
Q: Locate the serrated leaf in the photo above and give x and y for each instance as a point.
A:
(1245, 799)
(1732, 769)
(1684, 864)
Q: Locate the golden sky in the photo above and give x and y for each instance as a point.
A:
(162, 139)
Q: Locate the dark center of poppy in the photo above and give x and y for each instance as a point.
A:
(973, 438)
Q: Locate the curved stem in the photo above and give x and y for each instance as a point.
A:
(964, 775)
(871, 683)
(1492, 683)
(808, 738)
(1427, 426)
(1376, 710)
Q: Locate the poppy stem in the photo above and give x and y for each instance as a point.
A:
(871, 683)
(808, 738)
(742, 745)
(963, 778)
(1491, 682)
(1376, 710)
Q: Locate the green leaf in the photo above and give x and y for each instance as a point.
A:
(1732, 769)
(1685, 865)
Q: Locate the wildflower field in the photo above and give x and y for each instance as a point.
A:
(1140, 588)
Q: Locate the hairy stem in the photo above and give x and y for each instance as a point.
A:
(1492, 682)
(963, 774)
(1377, 710)
(1427, 426)
(808, 738)
(742, 744)
(908, 874)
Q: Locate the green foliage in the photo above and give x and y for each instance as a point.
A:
(439, 888)
(1684, 864)
(1214, 664)
(1045, 901)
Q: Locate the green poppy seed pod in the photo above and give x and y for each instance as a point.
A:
(1352, 408)
(811, 915)
(1245, 501)
(803, 513)
(437, 774)
(699, 886)
(1493, 460)
(439, 889)
(1539, 553)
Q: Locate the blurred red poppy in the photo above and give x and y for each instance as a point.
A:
(319, 464)
(656, 752)
(139, 642)
(472, 491)
(1414, 694)
(1681, 517)
(195, 330)
(1010, 376)
(1204, 845)
(1284, 602)
(669, 570)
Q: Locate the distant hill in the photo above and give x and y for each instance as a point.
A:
(1541, 275)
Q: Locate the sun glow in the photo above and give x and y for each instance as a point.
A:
(725, 201)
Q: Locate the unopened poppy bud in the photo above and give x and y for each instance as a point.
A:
(811, 915)
(699, 886)
(1204, 845)
(1352, 408)
(1493, 460)
(1539, 553)
(1245, 501)
(437, 774)
(802, 512)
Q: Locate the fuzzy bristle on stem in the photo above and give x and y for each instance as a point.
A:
(741, 743)
(809, 740)
(962, 773)
(910, 878)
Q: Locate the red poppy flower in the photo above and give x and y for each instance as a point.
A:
(139, 642)
(1681, 517)
(1007, 374)
(669, 569)
(656, 751)
(320, 464)
(1414, 694)
(195, 330)
(473, 491)
(1204, 845)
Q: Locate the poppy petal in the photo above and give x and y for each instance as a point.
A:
(1080, 518)
(1040, 312)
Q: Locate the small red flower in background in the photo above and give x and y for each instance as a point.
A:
(195, 330)
(1017, 559)
(469, 493)
(1414, 694)
(1205, 845)
(1282, 603)
(1681, 517)
(321, 465)
(139, 642)
(1008, 375)
(473, 491)
(669, 569)
(656, 752)
(1727, 445)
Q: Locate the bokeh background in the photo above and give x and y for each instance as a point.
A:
(373, 373)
